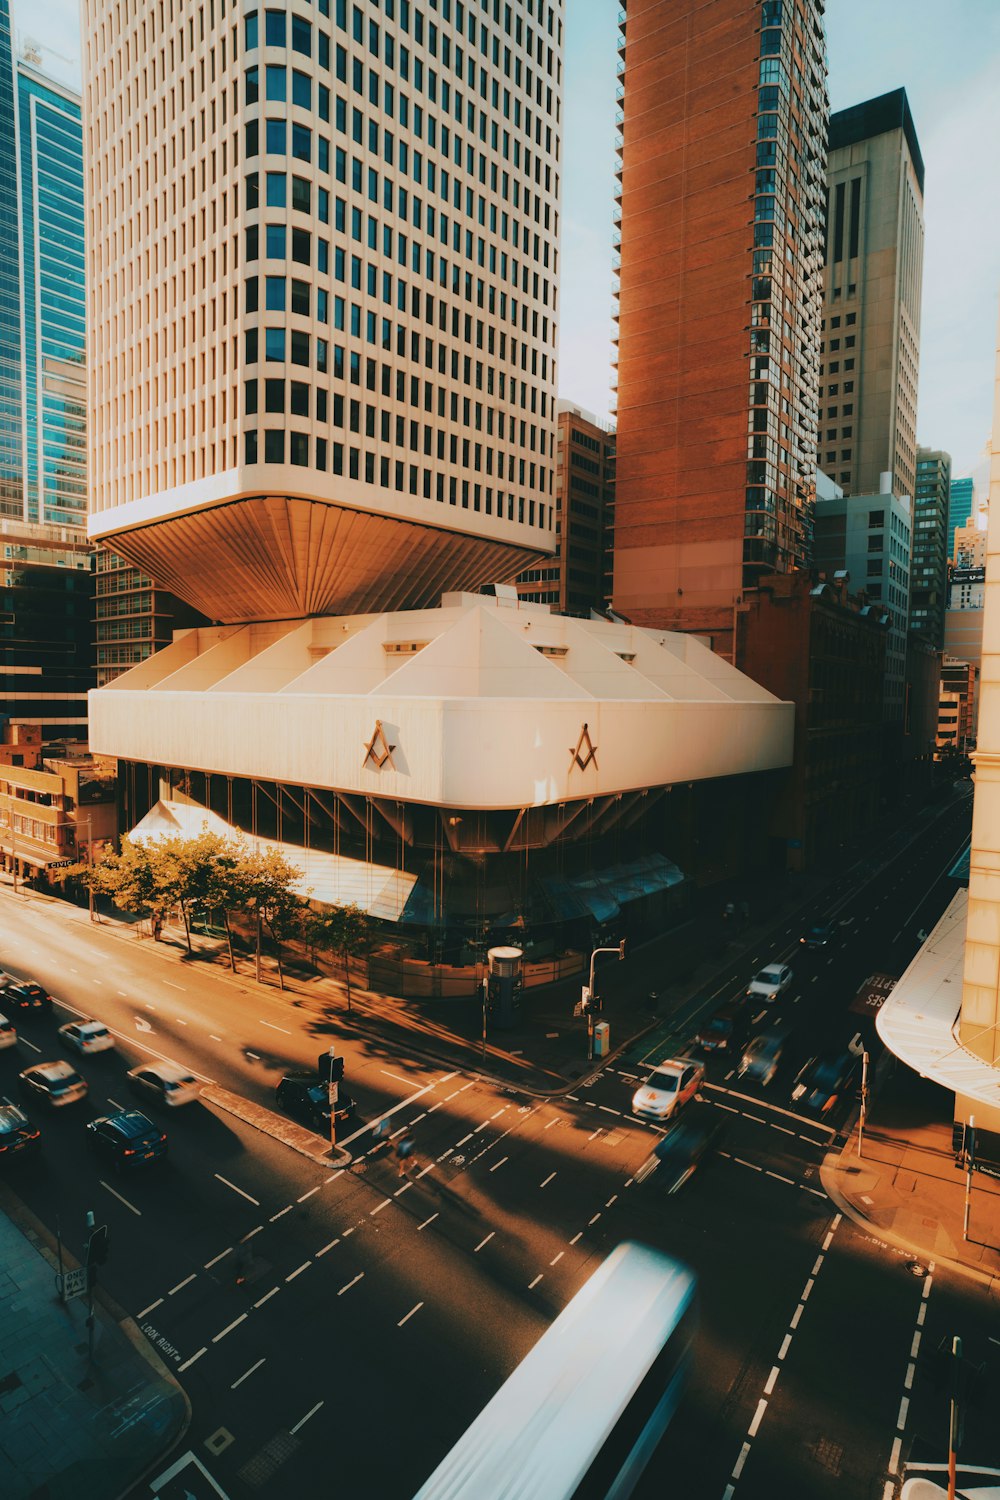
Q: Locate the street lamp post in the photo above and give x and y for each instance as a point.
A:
(589, 1004)
(90, 869)
(864, 1101)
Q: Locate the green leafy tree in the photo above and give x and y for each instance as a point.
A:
(345, 931)
(212, 867)
(263, 881)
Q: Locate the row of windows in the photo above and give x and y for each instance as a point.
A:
(296, 448)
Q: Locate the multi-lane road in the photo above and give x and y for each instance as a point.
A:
(343, 1326)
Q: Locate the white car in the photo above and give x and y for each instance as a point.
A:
(53, 1083)
(87, 1036)
(8, 1033)
(166, 1082)
(771, 982)
(670, 1085)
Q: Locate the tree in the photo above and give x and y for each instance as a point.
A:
(212, 877)
(345, 931)
(263, 881)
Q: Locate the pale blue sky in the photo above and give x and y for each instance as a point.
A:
(946, 56)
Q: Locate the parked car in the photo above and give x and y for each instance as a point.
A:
(8, 1033)
(127, 1139)
(166, 1082)
(306, 1097)
(726, 1031)
(762, 1054)
(770, 982)
(823, 1080)
(53, 1083)
(24, 995)
(17, 1133)
(685, 1147)
(668, 1088)
(87, 1036)
(818, 935)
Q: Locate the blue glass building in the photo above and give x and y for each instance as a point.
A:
(959, 509)
(43, 392)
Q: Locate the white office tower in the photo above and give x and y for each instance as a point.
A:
(323, 251)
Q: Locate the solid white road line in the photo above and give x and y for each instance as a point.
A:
(25, 1043)
(272, 1027)
(136, 1211)
(403, 1104)
(174, 986)
(246, 1375)
(303, 1420)
(235, 1189)
(409, 1315)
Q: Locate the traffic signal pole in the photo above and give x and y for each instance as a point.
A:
(591, 1003)
(332, 1091)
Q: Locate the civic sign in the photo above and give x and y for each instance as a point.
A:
(73, 1284)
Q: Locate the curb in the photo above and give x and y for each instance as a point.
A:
(39, 1237)
(295, 1137)
(830, 1166)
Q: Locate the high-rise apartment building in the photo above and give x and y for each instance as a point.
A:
(575, 581)
(929, 556)
(959, 509)
(722, 189)
(869, 537)
(133, 616)
(323, 262)
(11, 396)
(871, 308)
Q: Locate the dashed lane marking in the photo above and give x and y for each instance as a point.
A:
(328, 1247)
(236, 1189)
(189, 1362)
(547, 1180)
(147, 1310)
(215, 1261)
(533, 1284)
(230, 1326)
(303, 1420)
(246, 1374)
(298, 1271)
(310, 1193)
(347, 1285)
(426, 1222)
(409, 1315)
(182, 1284)
(497, 1165)
(131, 1206)
(484, 1242)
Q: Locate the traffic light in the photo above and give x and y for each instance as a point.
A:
(958, 1138)
(98, 1246)
(330, 1069)
(586, 1001)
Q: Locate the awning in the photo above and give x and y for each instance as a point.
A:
(918, 1021)
(333, 879)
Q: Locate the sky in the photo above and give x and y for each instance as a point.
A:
(944, 55)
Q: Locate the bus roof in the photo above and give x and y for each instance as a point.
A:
(542, 1430)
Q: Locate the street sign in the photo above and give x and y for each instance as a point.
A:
(73, 1284)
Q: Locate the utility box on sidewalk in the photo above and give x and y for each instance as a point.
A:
(602, 1039)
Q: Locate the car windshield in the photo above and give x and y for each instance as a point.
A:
(11, 1119)
(771, 973)
(64, 1080)
(720, 1024)
(665, 1082)
(827, 1073)
(93, 1031)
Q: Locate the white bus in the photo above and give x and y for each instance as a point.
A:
(581, 1415)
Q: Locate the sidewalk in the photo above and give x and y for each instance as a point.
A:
(71, 1430)
(907, 1188)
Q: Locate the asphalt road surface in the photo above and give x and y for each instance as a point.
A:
(341, 1328)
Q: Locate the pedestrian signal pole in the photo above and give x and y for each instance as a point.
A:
(331, 1067)
(590, 1002)
(970, 1159)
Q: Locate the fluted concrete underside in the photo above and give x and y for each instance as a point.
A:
(279, 558)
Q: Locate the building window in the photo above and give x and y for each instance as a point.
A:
(274, 446)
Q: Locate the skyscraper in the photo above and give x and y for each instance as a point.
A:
(329, 334)
(959, 509)
(871, 310)
(929, 556)
(46, 583)
(722, 163)
(323, 265)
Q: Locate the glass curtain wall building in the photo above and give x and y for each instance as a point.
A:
(11, 463)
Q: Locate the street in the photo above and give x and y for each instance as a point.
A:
(306, 1307)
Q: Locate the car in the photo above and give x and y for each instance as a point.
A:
(823, 1080)
(87, 1036)
(818, 935)
(726, 1031)
(684, 1148)
(24, 995)
(127, 1138)
(762, 1054)
(670, 1085)
(770, 982)
(306, 1097)
(8, 1033)
(53, 1083)
(166, 1082)
(17, 1133)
